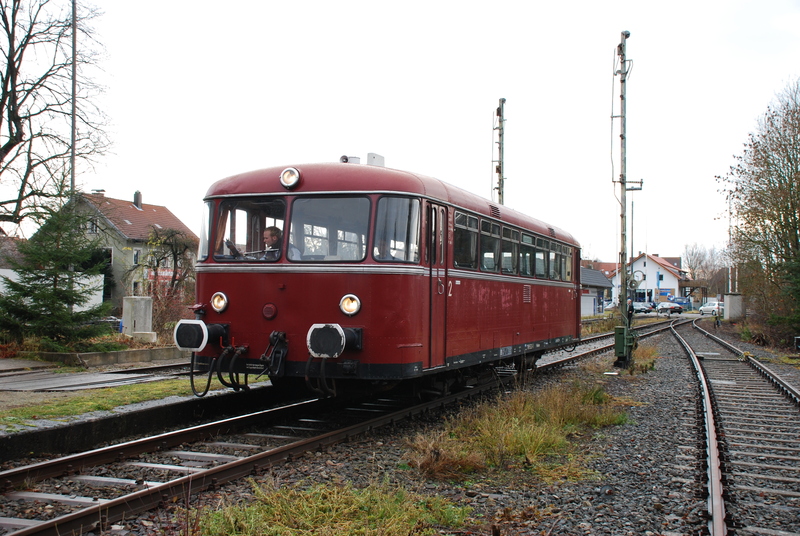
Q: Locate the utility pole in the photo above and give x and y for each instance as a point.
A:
(499, 167)
(623, 335)
(623, 254)
(74, 95)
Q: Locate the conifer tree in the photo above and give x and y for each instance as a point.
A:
(54, 285)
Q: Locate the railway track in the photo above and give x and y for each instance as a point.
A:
(90, 491)
(751, 438)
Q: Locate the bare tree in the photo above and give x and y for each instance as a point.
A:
(763, 191)
(695, 256)
(36, 103)
(169, 273)
(171, 253)
(702, 263)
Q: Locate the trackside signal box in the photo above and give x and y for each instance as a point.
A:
(619, 342)
(624, 343)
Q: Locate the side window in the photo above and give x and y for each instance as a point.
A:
(568, 260)
(542, 257)
(557, 264)
(465, 241)
(205, 225)
(490, 246)
(510, 251)
(442, 235)
(527, 255)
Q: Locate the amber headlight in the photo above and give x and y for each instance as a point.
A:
(289, 178)
(219, 302)
(350, 304)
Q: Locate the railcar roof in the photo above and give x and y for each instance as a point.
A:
(338, 177)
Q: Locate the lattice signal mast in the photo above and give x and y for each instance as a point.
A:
(499, 162)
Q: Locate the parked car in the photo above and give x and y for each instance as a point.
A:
(642, 307)
(712, 308)
(669, 307)
(609, 306)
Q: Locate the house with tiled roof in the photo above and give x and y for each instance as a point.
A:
(125, 228)
(655, 279)
(8, 253)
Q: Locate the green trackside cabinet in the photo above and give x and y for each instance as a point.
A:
(623, 346)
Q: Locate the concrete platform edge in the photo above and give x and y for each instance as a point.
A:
(94, 432)
(95, 359)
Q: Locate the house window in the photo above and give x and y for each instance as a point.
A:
(92, 227)
(137, 253)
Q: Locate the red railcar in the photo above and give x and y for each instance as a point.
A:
(373, 275)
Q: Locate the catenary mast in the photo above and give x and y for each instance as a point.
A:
(499, 167)
(623, 334)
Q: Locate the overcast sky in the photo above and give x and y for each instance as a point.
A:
(199, 90)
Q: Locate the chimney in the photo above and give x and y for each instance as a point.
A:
(137, 199)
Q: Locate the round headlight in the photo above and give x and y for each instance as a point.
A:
(290, 177)
(350, 304)
(219, 302)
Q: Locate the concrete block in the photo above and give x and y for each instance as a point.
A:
(145, 336)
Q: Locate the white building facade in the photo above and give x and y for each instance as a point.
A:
(653, 279)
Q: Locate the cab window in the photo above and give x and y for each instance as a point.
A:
(330, 228)
(397, 225)
(240, 227)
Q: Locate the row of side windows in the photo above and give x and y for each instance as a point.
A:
(485, 245)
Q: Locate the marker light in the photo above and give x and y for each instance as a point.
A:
(269, 311)
(350, 304)
(290, 178)
(219, 302)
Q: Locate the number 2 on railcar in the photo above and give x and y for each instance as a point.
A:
(345, 275)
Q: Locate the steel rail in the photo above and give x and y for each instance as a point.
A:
(782, 385)
(74, 463)
(716, 503)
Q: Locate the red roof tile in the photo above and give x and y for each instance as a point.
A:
(133, 222)
(8, 250)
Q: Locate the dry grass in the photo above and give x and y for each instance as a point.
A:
(644, 359)
(520, 429)
(600, 326)
(378, 509)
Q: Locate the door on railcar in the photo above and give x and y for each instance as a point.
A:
(436, 261)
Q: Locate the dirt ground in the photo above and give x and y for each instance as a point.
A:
(19, 399)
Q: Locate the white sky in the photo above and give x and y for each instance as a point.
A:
(199, 90)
